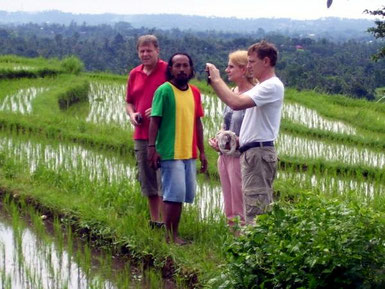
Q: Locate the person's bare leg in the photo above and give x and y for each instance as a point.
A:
(173, 211)
(161, 210)
(156, 208)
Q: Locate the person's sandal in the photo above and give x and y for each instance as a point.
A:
(156, 225)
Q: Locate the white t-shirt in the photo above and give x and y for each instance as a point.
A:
(261, 122)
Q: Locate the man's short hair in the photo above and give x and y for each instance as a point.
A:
(264, 49)
(170, 63)
(146, 40)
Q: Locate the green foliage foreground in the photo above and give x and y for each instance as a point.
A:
(311, 243)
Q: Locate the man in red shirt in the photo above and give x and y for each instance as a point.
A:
(142, 82)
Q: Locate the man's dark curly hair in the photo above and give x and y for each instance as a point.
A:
(168, 73)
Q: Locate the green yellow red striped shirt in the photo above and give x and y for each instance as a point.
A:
(177, 133)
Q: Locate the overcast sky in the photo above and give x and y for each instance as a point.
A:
(296, 9)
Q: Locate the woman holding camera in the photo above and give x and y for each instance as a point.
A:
(228, 161)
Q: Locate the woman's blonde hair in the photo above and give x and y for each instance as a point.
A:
(239, 58)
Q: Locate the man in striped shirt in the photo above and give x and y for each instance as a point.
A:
(175, 136)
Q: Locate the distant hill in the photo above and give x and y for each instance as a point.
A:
(332, 28)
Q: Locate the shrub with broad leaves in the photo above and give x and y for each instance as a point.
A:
(312, 243)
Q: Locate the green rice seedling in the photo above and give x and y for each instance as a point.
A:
(68, 239)
(213, 110)
(125, 280)
(21, 102)
(312, 119)
(58, 233)
(68, 158)
(106, 77)
(359, 113)
(152, 280)
(5, 277)
(107, 104)
(37, 221)
(304, 148)
(331, 183)
(108, 169)
(86, 259)
(41, 96)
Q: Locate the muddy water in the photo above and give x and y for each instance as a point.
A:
(32, 258)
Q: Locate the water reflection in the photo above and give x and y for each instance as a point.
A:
(28, 260)
(107, 104)
(71, 158)
(21, 101)
(213, 110)
(305, 149)
(331, 184)
(22, 67)
(312, 119)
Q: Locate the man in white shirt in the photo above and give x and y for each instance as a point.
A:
(260, 126)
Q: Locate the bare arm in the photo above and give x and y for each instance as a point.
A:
(234, 101)
(152, 156)
(201, 147)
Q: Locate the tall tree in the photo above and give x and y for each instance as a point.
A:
(379, 30)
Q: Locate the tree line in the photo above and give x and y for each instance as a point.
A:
(330, 27)
(305, 63)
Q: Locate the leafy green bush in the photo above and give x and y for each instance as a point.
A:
(72, 64)
(313, 243)
(78, 91)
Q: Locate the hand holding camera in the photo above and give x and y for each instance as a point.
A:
(212, 72)
(208, 75)
(138, 118)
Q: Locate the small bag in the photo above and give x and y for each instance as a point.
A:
(227, 142)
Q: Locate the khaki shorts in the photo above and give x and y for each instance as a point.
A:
(258, 167)
(149, 179)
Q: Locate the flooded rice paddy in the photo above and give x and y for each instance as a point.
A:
(29, 259)
(107, 104)
(308, 149)
(328, 184)
(112, 168)
(95, 166)
(35, 255)
(310, 118)
(21, 101)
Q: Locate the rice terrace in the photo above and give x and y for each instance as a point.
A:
(66, 163)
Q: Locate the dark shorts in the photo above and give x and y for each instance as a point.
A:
(149, 179)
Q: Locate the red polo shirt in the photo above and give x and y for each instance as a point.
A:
(140, 92)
